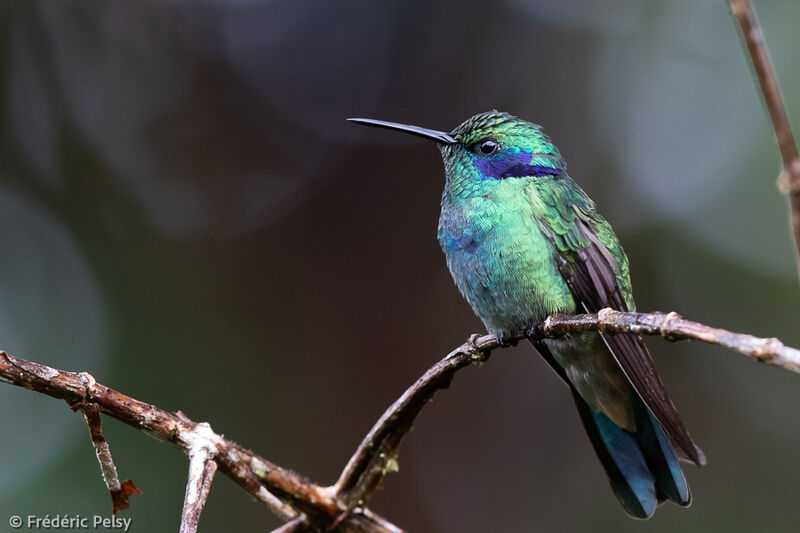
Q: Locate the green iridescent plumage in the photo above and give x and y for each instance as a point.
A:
(523, 241)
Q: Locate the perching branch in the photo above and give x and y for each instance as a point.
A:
(342, 507)
(789, 179)
(377, 453)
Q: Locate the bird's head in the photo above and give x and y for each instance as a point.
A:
(487, 147)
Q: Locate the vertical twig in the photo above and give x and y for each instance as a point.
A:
(119, 491)
(789, 179)
(201, 473)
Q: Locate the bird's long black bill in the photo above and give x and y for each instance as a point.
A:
(438, 136)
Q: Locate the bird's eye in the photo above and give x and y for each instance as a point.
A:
(486, 147)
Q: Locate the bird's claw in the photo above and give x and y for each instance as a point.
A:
(534, 332)
(505, 341)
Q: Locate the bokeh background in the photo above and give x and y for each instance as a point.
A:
(185, 213)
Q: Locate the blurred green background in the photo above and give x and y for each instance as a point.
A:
(185, 213)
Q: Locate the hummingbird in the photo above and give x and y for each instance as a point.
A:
(523, 241)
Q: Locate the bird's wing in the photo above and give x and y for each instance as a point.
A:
(596, 270)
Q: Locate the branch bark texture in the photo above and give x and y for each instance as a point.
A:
(119, 491)
(201, 473)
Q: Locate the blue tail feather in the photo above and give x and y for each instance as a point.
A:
(642, 468)
(625, 464)
(670, 481)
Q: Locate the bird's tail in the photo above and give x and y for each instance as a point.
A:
(642, 466)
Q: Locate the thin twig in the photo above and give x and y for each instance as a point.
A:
(119, 491)
(378, 451)
(789, 179)
(298, 525)
(201, 473)
(357, 521)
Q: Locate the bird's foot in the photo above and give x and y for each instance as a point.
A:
(535, 331)
(505, 340)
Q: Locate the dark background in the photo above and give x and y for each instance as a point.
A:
(185, 213)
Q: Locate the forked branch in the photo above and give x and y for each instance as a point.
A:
(305, 505)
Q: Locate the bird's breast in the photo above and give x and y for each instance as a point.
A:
(501, 260)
